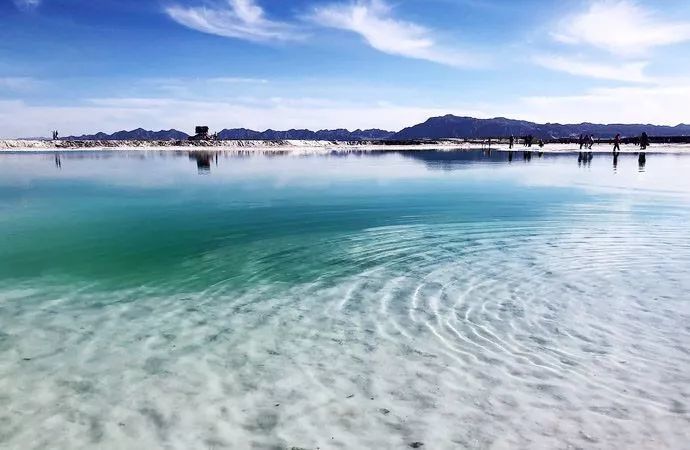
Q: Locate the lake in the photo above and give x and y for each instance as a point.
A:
(415, 299)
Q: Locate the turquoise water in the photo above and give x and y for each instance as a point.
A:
(363, 300)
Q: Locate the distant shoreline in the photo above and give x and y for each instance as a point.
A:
(303, 146)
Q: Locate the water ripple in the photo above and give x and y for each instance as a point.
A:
(546, 333)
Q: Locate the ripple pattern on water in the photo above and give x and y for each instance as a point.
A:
(567, 331)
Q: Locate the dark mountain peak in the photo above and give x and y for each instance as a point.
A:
(450, 126)
(336, 130)
(136, 134)
(304, 134)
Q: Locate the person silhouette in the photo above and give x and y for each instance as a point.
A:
(644, 141)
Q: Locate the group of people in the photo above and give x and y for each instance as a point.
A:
(586, 141)
(527, 141)
(643, 142)
(56, 135)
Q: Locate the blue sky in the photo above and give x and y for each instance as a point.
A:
(85, 65)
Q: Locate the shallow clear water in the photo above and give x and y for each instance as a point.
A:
(366, 300)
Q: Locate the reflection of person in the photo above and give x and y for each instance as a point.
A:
(617, 143)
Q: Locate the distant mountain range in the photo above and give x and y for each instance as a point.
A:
(135, 135)
(243, 133)
(435, 128)
(468, 127)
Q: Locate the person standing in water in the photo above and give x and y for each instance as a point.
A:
(644, 141)
(617, 143)
(512, 141)
(581, 141)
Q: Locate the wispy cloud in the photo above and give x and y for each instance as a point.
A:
(374, 21)
(241, 19)
(237, 80)
(26, 5)
(659, 104)
(627, 72)
(621, 27)
(18, 83)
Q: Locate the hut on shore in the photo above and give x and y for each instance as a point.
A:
(201, 134)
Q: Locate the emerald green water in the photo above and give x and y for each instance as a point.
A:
(359, 300)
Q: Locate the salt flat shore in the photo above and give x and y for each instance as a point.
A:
(303, 146)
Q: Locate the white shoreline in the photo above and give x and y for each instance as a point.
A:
(305, 147)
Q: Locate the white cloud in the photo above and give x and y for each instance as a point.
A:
(372, 20)
(621, 27)
(237, 80)
(18, 83)
(27, 4)
(659, 104)
(241, 19)
(628, 72)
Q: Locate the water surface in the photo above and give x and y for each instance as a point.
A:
(364, 300)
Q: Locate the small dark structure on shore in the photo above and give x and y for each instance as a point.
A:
(202, 134)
